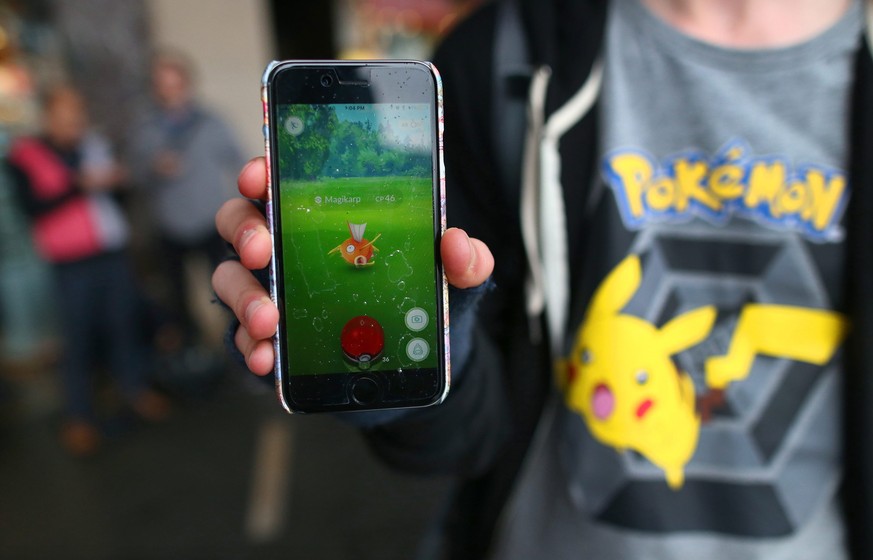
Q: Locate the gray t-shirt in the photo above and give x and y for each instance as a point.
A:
(701, 417)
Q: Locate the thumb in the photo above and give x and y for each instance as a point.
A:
(468, 262)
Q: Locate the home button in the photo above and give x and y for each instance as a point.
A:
(365, 391)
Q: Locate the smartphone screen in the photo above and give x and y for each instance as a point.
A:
(357, 215)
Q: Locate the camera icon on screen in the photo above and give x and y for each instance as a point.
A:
(416, 319)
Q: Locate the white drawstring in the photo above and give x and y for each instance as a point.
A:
(530, 214)
(543, 213)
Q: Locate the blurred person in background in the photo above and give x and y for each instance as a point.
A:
(185, 155)
(65, 178)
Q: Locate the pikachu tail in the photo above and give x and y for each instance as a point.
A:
(796, 333)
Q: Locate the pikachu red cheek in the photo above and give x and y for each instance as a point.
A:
(643, 408)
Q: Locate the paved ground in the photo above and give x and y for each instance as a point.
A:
(229, 476)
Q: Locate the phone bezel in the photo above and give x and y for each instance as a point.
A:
(357, 82)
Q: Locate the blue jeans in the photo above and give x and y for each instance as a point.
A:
(99, 314)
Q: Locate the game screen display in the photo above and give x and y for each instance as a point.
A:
(356, 204)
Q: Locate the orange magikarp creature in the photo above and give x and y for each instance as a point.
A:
(357, 250)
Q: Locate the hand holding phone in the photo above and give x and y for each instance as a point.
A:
(356, 212)
(467, 261)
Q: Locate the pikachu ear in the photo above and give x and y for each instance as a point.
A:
(687, 329)
(617, 289)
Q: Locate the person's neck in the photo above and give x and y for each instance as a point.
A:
(750, 24)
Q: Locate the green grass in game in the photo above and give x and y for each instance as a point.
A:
(323, 291)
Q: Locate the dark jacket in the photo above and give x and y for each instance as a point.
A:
(483, 430)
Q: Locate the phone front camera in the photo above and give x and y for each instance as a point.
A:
(326, 80)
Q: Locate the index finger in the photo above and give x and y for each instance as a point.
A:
(252, 180)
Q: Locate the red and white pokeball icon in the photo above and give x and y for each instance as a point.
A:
(362, 340)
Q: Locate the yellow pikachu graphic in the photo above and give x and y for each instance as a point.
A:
(621, 377)
(623, 381)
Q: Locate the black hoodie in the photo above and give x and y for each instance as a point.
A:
(482, 432)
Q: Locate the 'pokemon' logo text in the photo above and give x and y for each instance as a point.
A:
(809, 198)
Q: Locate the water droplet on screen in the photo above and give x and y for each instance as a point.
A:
(406, 305)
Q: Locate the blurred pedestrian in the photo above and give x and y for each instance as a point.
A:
(186, 156)
(65, 178)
